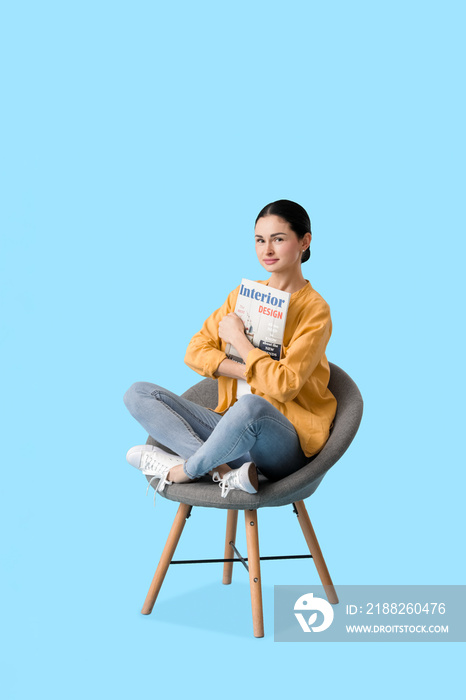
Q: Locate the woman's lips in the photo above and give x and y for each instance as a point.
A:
(270, 261)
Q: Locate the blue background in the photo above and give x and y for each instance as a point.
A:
(139, 142)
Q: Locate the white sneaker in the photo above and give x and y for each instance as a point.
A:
(244, 478)
(153, 461)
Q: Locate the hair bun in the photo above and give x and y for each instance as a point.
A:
(306, 255)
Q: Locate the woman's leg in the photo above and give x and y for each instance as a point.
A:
(181, 425)
(252, 425)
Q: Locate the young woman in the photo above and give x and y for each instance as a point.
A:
(272, 415)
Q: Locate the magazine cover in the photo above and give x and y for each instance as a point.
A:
(263, 311)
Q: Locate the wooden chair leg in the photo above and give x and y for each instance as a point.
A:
(312, 543)
(232, 519)
(167, 555)
(252, 539)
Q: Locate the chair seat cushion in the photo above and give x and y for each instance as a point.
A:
(208, 494)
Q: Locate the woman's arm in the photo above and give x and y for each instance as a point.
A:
(206, 351)
(283, 379)
(230, 368)
(280, 379)
(231, 330)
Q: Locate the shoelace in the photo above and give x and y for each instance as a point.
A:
(150, 460)
(229, 481)
(160, 486)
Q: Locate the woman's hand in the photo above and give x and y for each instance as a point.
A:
(230, 328)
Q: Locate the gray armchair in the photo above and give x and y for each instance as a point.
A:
(293, 489)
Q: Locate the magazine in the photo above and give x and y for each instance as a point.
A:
(263, 311)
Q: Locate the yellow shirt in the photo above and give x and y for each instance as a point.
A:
(297, 384)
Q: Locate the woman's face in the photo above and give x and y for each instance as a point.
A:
(277, 245)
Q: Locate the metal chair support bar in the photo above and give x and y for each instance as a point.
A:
(241, 559)
(218, 561)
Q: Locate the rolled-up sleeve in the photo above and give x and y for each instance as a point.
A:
(206, 350)
(283, 379)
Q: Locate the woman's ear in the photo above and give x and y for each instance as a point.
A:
(307, 240)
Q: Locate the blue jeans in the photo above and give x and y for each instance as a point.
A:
(251, 430)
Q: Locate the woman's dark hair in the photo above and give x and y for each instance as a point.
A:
(296, 216)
